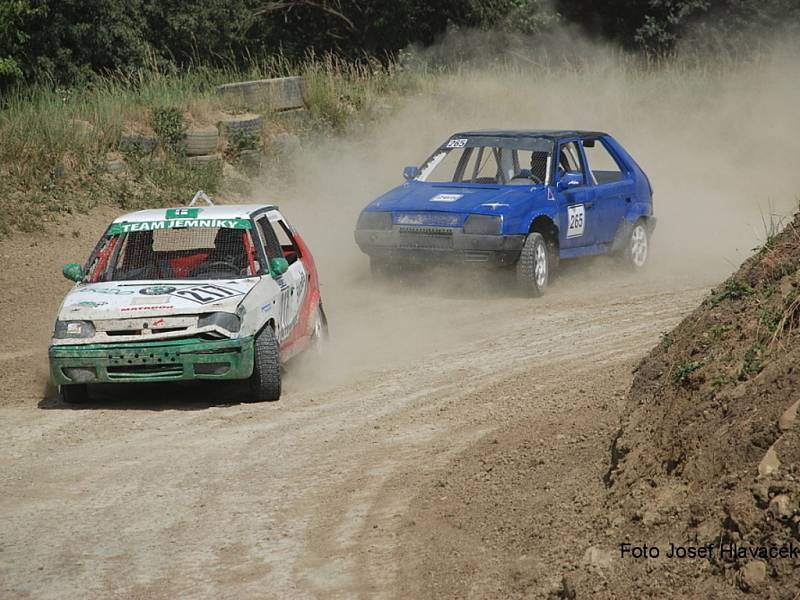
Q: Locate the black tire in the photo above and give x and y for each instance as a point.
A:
(533, 266)
(201, 141)
(265, 382)
(74, 394)
(249, 124)
(637, 247)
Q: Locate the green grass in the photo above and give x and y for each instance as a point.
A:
(55, 142)
(685, 369)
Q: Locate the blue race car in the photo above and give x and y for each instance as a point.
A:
(524, 198)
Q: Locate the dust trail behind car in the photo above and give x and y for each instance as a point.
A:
(718, 142)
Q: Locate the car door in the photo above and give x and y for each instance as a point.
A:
(291, 283)
(575, 197)
(296, 275)
(613, 185)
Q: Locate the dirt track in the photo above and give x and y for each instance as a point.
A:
(164, 492)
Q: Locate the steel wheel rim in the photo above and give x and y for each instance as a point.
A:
(639, 246)
(540, 265)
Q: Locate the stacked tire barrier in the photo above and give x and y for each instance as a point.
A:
(237, 137)
(280, 93)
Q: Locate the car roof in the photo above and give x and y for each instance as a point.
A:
(555, 134)
(218, 211)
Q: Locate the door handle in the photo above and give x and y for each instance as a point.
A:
(589, 205)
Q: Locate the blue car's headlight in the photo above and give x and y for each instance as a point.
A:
(483, 224)
(73, 329)
(374, 220)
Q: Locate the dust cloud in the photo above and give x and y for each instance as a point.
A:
(718, 140)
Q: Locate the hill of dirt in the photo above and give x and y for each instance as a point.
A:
(708, 451)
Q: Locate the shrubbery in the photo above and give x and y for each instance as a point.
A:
(68, 41)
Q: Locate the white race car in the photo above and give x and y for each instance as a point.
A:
(199, 292)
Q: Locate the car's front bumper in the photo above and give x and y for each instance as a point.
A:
(439, 244)
(162, 360)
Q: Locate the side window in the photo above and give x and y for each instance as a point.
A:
(268, 238)
(602, 164)
(290, 250)
(569, 159)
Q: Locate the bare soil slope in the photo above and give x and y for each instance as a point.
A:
(706, 407)
(706, 452)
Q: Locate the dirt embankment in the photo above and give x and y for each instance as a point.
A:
(706, 453)
(709, 452)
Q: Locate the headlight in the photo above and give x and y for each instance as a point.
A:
(374, 220)
(227, 321)
(483, 224)
(73, 329)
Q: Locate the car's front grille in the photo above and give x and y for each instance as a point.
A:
(129, 372)
(429, 238)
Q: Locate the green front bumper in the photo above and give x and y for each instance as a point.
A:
(164, 360)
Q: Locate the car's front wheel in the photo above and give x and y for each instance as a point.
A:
(533, 266)
(637, 250)
(265, 382)
(74, 394)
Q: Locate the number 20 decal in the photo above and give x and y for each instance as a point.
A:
(575, 220)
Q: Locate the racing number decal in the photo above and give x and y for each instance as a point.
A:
(576, 220)
(203, 294)
(456, 143)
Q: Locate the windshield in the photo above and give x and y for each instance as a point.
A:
(490, 160)
(175, 253)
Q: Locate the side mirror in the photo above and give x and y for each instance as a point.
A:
(569, 180)
(278, 266)
(73, 271)
(410, 173)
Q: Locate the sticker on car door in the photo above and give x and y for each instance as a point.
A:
(576, 219)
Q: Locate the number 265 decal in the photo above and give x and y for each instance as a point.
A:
(576, 219)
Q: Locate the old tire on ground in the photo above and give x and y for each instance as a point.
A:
(637, 247)
(74, 394)
(533, 266)
(201, 140)
(248, 124)
(265, 382)
(279, 93)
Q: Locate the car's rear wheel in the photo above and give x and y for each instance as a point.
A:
(265, 382)
(637, 250)
(74, 394)
(533, 266)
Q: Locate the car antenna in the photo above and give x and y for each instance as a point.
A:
(201, 195)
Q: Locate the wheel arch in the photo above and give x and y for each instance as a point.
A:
(626, 226)
(544, 224)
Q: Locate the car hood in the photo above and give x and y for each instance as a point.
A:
(122, 299)
(483, 199)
